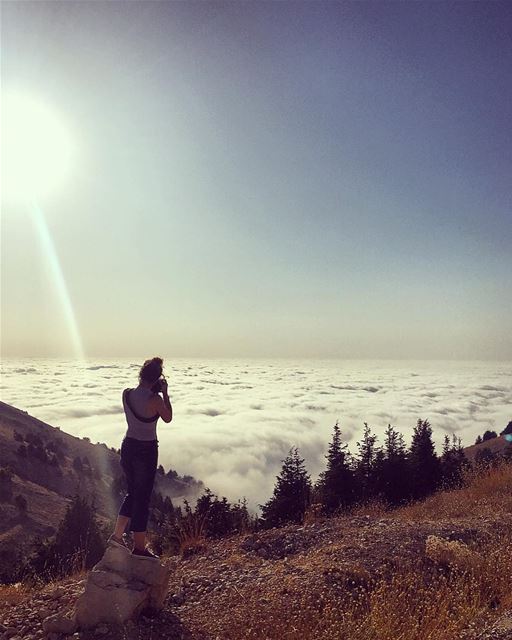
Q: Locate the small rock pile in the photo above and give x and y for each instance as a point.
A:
(27, 621)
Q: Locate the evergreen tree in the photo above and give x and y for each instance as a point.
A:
(489, 435)
(453, 463)
(241, 520)
(366, 466)
(394, 470)
(291, 493)
(79, 534)
(217, 514)
(478, 440)
(336, 486)
(425, 467)
(77, 544)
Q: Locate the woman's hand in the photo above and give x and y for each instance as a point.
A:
(163, 385)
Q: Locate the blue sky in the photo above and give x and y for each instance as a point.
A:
(268, 179)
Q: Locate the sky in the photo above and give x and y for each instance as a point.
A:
(267, 179)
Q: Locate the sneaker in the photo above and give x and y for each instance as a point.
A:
(145, 554)
(114, 541)
(128, 541)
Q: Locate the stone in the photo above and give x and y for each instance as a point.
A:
(101, 630)
(59, 624)
(178, 598)
(120, 587)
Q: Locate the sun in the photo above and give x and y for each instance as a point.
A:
(36, 149)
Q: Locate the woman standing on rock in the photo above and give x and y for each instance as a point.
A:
(139, 454)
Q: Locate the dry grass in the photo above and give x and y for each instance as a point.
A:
(313, 514)
(191, 535)
(425, 602)
(13, 594)
(374, 509)
(451, 588)
(324, 596)
(486, 493)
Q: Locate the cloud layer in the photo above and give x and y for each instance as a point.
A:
(236, 420)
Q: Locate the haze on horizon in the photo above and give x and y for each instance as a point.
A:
(267, 179)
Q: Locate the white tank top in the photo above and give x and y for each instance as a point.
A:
(140, 427)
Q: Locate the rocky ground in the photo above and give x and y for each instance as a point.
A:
(212, 592)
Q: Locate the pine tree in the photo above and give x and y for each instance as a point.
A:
(366, 466)
(394, 470)
(291, 493)
(425, 467)
(240, 516)
(78, 536)
(216, 513)
(453, 463)
(336, 486)
(77, 544)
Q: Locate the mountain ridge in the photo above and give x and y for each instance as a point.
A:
(43, 468)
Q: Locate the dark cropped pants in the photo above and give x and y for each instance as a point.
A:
(139, 460)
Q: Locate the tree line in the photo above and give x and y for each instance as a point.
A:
(390, 473)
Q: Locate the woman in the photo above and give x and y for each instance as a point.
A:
(139, 453)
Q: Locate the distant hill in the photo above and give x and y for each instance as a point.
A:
(495, 445)
(46, 467)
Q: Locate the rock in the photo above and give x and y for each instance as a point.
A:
(44, 613)
(451, 553)
(120, 587)
(59, 624)
(178, 598)
(251, 543)
(10, 632)
(101, 630)
(58, 592)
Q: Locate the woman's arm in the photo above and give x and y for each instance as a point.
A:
(163, 405)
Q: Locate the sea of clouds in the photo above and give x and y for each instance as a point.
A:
(235, 420)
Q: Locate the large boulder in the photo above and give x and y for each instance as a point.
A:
(120, 587)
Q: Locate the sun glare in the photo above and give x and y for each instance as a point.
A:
(36, 148)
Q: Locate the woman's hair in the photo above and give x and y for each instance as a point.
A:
(151, 370)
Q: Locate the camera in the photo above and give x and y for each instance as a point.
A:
(157, 387)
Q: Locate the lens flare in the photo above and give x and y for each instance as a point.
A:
(58, 280)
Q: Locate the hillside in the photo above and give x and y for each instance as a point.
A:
(496, 446)
(50, 466)
(435, 570)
